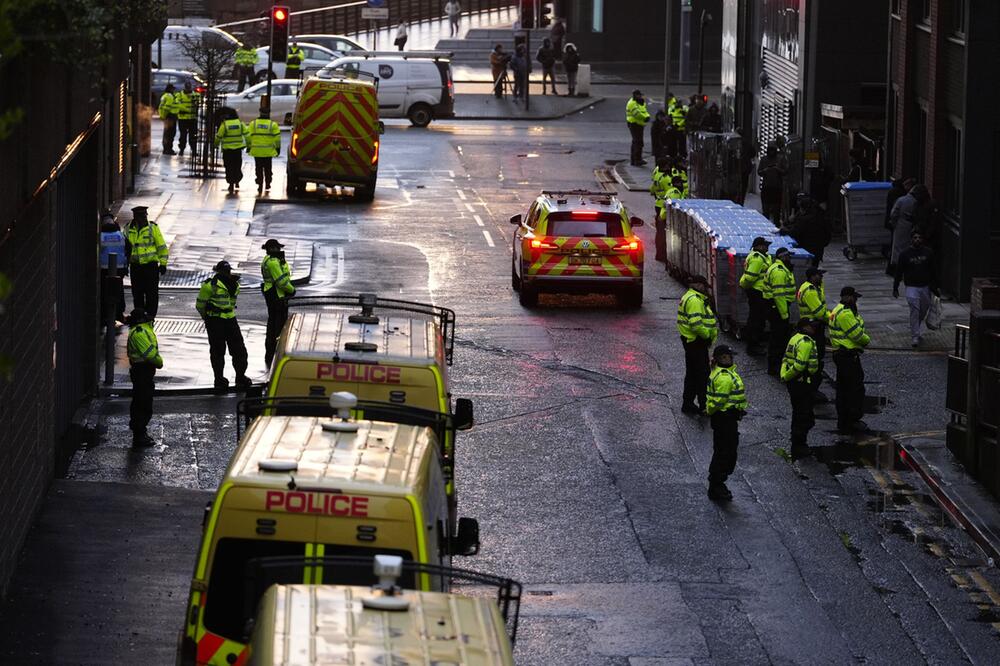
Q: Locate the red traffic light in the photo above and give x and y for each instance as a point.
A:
(279, 14)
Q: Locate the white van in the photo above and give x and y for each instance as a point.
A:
(168, 51)
(416, 84)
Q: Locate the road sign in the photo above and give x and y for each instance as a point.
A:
(376, 9)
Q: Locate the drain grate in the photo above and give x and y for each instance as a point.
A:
(167, 326)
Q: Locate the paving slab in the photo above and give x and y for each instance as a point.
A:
(635, 179)
(471, 106)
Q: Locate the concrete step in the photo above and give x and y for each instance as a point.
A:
(500, 33)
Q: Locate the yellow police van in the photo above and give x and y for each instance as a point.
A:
(308, 486)
(302, 625)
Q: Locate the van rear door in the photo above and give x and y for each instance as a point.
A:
(335, 129)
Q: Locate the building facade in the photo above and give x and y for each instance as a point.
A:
(942, 127)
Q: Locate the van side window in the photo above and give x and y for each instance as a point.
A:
(533, 216)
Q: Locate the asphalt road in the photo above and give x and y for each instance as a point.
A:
(588, 482)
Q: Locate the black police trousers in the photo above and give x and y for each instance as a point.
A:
(850, 387)
(725, 441)
(140, 411)
(277, 315)
(224, 333)
(146, 287)
(660, 239)
(233, 161)
(188, 133)
(262, 169)
(635, 154)
(802, 393)
(757, 316)
(696, 369)
(778, 341)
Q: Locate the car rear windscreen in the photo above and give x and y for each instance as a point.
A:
(593, 224)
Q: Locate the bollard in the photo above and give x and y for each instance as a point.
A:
(110, 300)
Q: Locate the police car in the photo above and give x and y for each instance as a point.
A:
(577, 242)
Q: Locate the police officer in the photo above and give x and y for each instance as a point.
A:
(752, 282)
(726, 405)
(263, 144)
(147, 260)
(217, 306)
(779, 292)
(144, 359)
(636, 116)
(112, 244)
(658, 189)
(293, 61)
(799, 371)
(246, 63)
(849, 339)
(277, 288)
(698, 328)
(168, 114)
(186, 102)
(232, 138)
(811, 298)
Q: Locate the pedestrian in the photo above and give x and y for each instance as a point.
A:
(277, 288)
(916, 270)
(112, 244)
(186, 102)
(246, 62)
(557, 33)
(147, 254)
(232, 137)
(453, 11)
(673, 139)
(263, 144)
(849, 339)
(713, 119)
(571, 63)
(167, 111)
(772, 172)
(799, 372)
(401, 35)
(779, 292)
(698, 329)
(216, 304)
(726, 405)
(519, 63)
(293, 61)
(903, 219)
(498, 69)
(636, 116)
(748, 150)
(809, 227)
(546, 55)
(144, 360)
(860, 171)
(752, 282)
(657, 132)
(695, 114)
(811, 298)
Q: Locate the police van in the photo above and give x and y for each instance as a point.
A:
(315, 487)
(301, 625)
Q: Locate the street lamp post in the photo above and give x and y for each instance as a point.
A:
(706, 18)
(666, 50)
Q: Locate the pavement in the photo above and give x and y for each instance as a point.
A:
(470, 106)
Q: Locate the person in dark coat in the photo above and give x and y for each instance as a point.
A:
(657, 134)
(713, 119)
(571, 63)
(809, 227)
(772, 170)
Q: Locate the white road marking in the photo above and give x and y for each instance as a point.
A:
(478, 220)
(340, 267)
(461, 194)
(451, 174)
(489, 239)
(470, 208)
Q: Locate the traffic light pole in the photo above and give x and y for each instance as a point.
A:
(265, 103)
(668, 34)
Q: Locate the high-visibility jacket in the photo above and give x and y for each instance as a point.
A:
(636, 113)
(142, 345)
(812, 302)
(112, 243)
(215, 299)
(186, 104)
(695, 318)
(779, 286)
(678, 113)
(145, 244)
(675, 194)
(293, 61)
(801, 358)
(725, 391)
(847, 329)
(232, 135)
(246, 56)
(679, 173)
(277, 275)
(754, 269)
(168, 105)
(658, 188)
(264, 139)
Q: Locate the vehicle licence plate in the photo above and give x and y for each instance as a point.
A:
(585, 261)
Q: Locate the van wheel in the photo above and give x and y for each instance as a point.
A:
(515, 281)
(420, 115)
(295, 187)
(528, 296)
(631, 298)
(365, 193)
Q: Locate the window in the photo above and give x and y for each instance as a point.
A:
(602, 225)
(781, 28)
(920, 132)
(953, 160)
(894, 7)
(925, 11)
(958, 17)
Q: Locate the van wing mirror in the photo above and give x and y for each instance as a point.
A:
(463, 418)
(516, 219)
(466, 542)
(636, 221)
(381, 127)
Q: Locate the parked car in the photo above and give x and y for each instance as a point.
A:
(178, 77)
(168, 51)
(339, 44)
(284, 93)
(316, 58)
(416, 85)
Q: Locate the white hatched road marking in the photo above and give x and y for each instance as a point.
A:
(470, 208)
(489, 239)
(461, 194)
(478, 220)
(340, 267)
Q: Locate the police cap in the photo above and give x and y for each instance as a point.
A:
(849, 291)
(140, 210)
(722, 350)
(272, 243)
(811, 271)
(781, 251)
(223, 267)
(697, 279)
(760, 240)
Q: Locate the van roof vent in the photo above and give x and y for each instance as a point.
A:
(276, 465)
(361, 346)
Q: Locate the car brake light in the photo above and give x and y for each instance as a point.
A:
(295, 144)
(628, 246)
(200, 89)
(585, 214)
(537, 244)
(375, 154)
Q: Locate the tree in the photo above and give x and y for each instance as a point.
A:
(213, 57)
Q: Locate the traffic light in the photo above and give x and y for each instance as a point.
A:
(279, 33)
(545, 15)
